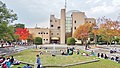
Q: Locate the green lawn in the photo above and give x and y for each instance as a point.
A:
(103, 63)
(30, 56)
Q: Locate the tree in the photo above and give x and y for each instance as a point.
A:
(38, 41)
(82, 32)
(117, 39)
(70, 41)
(19, 25)
(6, 15)
(7, 32)
(23, 33)
(109, 30)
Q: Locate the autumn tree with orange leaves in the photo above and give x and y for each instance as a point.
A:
(82, 33)
(23, 33)
(109, 30)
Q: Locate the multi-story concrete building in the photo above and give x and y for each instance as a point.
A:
(44, 33)
(61, 29)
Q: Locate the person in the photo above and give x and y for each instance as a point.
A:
(11, 60)
(67, 50)
(92, 53)
(112, 58)
(77, 51)
(83, 54)
(102, 55)
(4, 63)
(106, 57)
(38, 61)
(8, 63)
(116, 58)
(62, 52)
(41, 53)
(98, 54)
(71, 51)
(0, 66)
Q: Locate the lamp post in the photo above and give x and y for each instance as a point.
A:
(95, 34)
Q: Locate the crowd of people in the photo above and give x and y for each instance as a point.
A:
(8, 61)
(6, 44)
(113, 50)
(105, 56)
(72, 50)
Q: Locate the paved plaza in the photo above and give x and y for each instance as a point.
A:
(99, 49)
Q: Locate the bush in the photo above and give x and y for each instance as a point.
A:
(70, 41)
(38, 41)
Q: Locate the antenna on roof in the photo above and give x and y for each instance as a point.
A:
(36, 26)
(65, 4)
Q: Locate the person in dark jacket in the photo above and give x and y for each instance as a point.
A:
(11, 60)
(38, 61)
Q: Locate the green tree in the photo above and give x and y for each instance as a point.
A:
(7, 32)
(38, 41)
(19, 25)
(117, 39)
(70, 41)
(6, 15)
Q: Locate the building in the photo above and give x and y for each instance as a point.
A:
(61, 29)
(44, 33)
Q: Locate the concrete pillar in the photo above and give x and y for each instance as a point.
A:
(62, 25)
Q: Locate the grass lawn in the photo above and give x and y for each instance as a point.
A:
(30, 56)
(103, 63)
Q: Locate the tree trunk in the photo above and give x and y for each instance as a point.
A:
(86, 46)
(107, 43)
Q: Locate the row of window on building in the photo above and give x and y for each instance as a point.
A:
(52, 33)
(46, 33)
(57, 27)
(43, 33)
(51, 20)
(86, 21)
(45, 39)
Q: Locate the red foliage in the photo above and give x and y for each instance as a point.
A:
(23, 33)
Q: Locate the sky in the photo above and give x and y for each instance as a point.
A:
(32, 12)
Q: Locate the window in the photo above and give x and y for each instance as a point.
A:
(75, 28)
(51, 33)
(51, 25)
(75, 21)
(46, 39)
(47, 33)
(44, 32)
(38, 32)
(58, 27)
(41, 33)
(50, 20)
(57, 33)
(89, 21)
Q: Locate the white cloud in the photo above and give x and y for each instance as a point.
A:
(92, 1)
(105, 9)
(33, 12)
